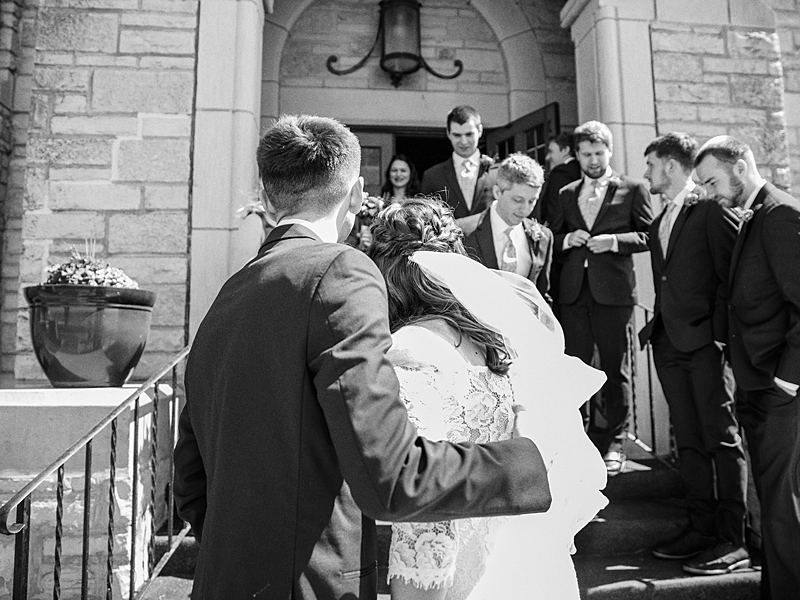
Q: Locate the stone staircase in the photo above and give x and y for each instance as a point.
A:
(613, 561)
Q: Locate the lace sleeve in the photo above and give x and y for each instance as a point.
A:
(424, 553)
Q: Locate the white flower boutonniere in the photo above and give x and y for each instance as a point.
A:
(614, 180)
(692, 198)
(535, 231)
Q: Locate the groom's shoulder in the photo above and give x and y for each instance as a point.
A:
(319, 260)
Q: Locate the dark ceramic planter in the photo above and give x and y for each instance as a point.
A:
(88, 336)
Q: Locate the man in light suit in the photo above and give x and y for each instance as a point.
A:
(599, 222)
(465, 179)
(764, 341)
(294, 438)
(690, 249)
(502, 237)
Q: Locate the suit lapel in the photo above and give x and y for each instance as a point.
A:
(485, 239)
(676, 230)
(610, 191)
(575, 205)
(740, 239)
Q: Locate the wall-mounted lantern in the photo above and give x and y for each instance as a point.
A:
(400, 50)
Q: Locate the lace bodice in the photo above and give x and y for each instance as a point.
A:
(459, 403)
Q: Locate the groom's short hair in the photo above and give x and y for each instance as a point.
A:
(307, 163)
(519, 168)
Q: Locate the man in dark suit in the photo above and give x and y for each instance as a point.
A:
(464, 180)
(564, 169)
(502, 237)
(764, 342)
(294, 438)
(599, 222)
(690, 250)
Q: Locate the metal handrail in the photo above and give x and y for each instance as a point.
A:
(17, 498)
(21, 501)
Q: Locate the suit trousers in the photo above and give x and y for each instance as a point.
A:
(586, 323)
(771, 421)
(701, 409)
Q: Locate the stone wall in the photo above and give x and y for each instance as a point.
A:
(712, 80)
(787, 14)
(111, 90)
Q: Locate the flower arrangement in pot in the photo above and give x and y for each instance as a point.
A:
(89, 322)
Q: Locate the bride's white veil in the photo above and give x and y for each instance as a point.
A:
(550, 384)
(513, 307)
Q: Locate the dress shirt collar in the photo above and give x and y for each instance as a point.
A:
(324, 230)
(602, 180)
(475, 159)
(680, 197)
(752, 198)
(499, 225)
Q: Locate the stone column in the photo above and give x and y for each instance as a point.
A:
(612, 56)
(227, 114)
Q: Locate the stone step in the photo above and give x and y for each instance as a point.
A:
(631, 525)
(640, 576)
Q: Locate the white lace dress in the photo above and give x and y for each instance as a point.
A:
(510, 557)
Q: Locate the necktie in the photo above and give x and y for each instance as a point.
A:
(592, 204)
(466, 181)
(665, 227)
(509, 258)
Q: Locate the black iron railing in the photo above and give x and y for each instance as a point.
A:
(20, 503)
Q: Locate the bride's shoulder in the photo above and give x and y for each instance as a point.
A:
(425, 343)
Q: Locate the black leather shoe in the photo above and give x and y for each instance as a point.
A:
(719, 560)
(687, 544)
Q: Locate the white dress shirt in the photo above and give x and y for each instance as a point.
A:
(467, 184)
(587, 189)
(499, 227)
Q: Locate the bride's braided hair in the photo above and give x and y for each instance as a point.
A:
(398, 231)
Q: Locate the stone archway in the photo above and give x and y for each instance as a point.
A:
(525, 81)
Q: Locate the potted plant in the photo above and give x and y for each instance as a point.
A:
(89, 323)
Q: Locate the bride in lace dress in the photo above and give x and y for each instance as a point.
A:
(471, 347)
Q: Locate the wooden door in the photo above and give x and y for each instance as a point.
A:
(377, 149)
(527, 134)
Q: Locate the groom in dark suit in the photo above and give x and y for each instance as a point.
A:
(464, 180)
(502, 237)
(690, 250)
(764, 339)
(599, 222)
(294, 438)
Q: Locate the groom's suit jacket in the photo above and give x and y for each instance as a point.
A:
(765, 293)
(625, 212)
(479, 243)
(442, 179)
(294, 438)
(691, 281)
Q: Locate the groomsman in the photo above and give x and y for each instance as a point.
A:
(764, 340)
(690, 249)
(502, 237)
(463, 180)
(564, 169)
(599, 222)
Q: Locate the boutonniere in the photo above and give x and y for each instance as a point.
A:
(692, 198)
(745, 214)
(535, 231)
(370, 207)
(614, 180)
